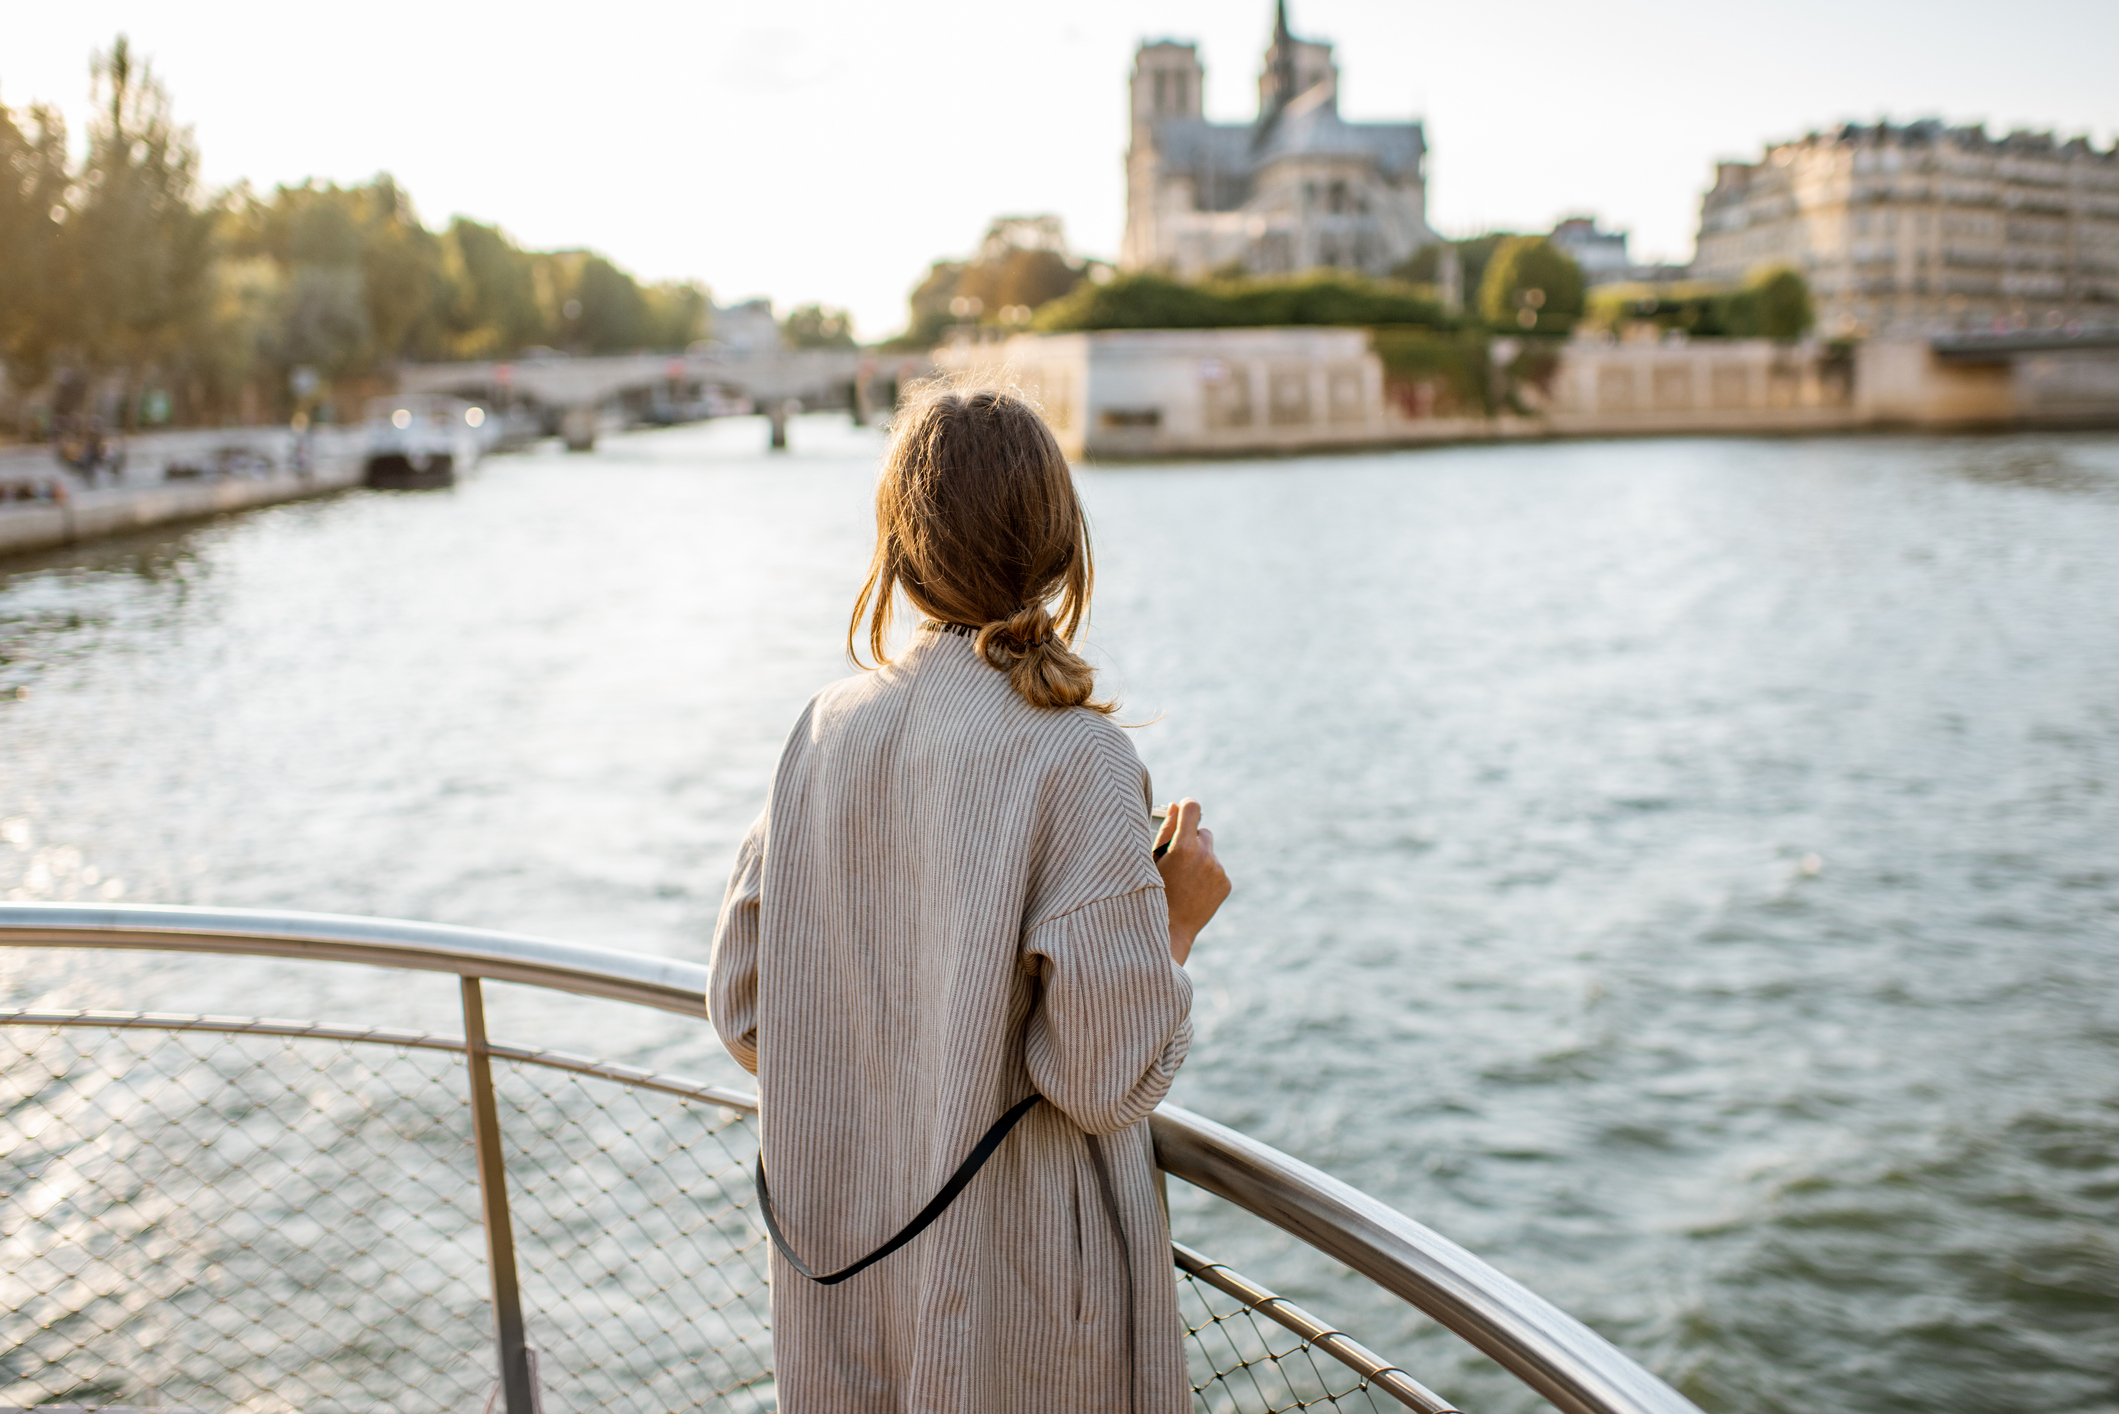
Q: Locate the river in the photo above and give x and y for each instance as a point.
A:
(1686, 872)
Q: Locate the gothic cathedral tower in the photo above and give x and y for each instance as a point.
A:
(1297, 188)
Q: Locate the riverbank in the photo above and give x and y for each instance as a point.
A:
(168, 478)
(1149, 394)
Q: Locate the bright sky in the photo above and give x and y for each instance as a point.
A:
(829, 149)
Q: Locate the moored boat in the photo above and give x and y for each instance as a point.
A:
(420, 441)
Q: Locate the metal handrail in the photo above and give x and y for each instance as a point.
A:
(666, 983)
(1556, 1355)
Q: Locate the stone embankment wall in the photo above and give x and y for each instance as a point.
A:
(1159, 393)
(215, 471)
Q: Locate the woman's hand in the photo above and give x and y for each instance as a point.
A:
(1192, 877)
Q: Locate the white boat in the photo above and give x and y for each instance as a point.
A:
(418, 441)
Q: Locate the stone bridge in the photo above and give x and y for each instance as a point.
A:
(574, 393)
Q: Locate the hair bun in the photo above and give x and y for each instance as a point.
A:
(1006, 641)
(1028, 646)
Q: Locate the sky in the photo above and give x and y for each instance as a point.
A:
(828, 151)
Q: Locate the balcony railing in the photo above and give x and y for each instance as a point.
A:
(214, 1213)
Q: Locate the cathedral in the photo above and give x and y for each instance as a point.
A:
(1301, 187)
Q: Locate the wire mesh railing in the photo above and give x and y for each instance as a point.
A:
(222, 1220)
(222, 1214)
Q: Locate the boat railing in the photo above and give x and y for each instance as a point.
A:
(216, 1213)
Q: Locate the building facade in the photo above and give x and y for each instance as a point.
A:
(1600, 253)
(1924, 229)
(1298, 188)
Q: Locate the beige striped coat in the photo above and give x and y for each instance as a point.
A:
(948, 904)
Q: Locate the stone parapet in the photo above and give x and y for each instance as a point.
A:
(1128, 394)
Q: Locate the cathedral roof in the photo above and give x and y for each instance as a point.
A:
(1220, 152)
(1311, 127)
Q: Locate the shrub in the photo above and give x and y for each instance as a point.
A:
(1325, 297)
(1531, 286)
(1435, 373)
(1773, 304)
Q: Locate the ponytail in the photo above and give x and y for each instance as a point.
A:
(1041, 667)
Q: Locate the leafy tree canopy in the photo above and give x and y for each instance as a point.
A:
(1022, 264)
(1772, 304)
(1530, 286)
(1155, 301)
(1425, 266)
(812, 326)
(33, 274)
(120, 265)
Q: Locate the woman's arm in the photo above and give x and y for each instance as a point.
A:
(732, 989)
(1113, 1018)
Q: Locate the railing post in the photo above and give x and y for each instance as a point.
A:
(518, 1395)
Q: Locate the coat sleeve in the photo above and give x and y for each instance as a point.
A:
(1113, 1019)
(732, 987)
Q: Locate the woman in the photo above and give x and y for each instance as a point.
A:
(950, 908)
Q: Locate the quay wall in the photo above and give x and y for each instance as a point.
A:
(142, 495)
(1157, 393)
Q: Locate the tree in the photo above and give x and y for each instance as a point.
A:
(401, 264)
(124, 265)
(676, 313)
(812, 326)
(1530, 286)
(33, 191)
(933, 302)
(140, 240)
(493, 310)
(1022, 265)
(612, 315)
(360, 284)
(1146, 300)
(1774, 304)
(1473, 256)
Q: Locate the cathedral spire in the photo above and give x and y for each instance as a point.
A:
(1283, 57)
(1280, 69)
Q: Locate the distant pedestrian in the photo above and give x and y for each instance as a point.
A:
(952, 934)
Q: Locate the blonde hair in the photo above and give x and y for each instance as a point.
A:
(977, 521)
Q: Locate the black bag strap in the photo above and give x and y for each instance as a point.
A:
(973, 1162)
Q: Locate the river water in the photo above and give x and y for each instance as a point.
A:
(1683, 871)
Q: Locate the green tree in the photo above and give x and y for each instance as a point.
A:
(33, 193)
(1473, 256)
(126, 266)
(1774, 304)
(493, 308)
(362, 285)
(613, 315)
(812, 326)
(676, 313)
(140, 239)
(1022, 265)
(934, 310)
(236, 340)
(1152, 301)
(1530, 286)
(403, 281)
